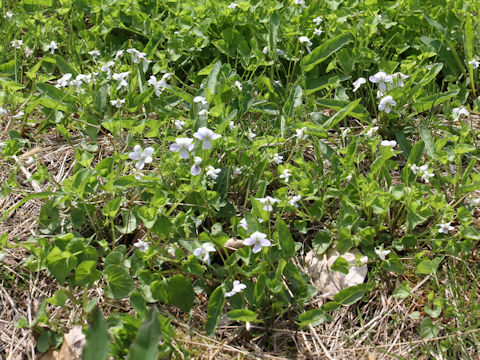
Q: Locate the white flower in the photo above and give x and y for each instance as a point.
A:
(9, 15)
(475, 63)
(286, 175)
(238, 84)
(141, 245)
(267, 202)
(122, 79)
(158, 85)
(459, 111)
(301, 133)
(137, 56)
(318, 32)
(231, 125)
(265, 50)
(398, 77)
(63, 81)
(141, 157)
(182, 146)
(391, 143)
(232, 6)
(30, 160)
(19, 115)
(426, 175)
(294, 200)
(179, 124)
(94, 53)
(106, 68)
(237, 287)
(237, 170)
(258, 240)
(205, 250)
(381, 78)
(52, 47)
(118, 55)
(317, 21)
(371, 131)
(358, 83)
(27, 51)
(300, 2)
(243, 224)
(385, 103)
(203, 112)
(117, 103)
(196, 169)
(414, 168)
(206, 135)
(305, 40)
(382, 253)
(212, 173)
(277, 159)
(250, 134)
(445, 228)
(17, 44)
(200, 99)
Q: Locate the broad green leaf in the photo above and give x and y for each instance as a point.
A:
(427, 102)
(86, 273)
(60, 263)
(215, 307)
(64, 66)
(242, 315)
(321, 242)
(98, 341)
(313, 317)
(428, 329)
(294, 100)
(111, 208)
(358, 111)
(145, 346)
(212, 77)
(176, 291)
(273, 33)
(350, 295)
(323, 51)
(340, 265)
(427, 138)
(402, 291)
(287, 246)
(119, 281)
(429, 266)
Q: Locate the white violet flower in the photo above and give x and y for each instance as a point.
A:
(459, 111)
(141, 157)
(277, 159)
(206, 135)
(205, 250)
(19, 115)
(183, 146)
(251, 135)
(200, 99)
(357, 83)
(381, 78)
(301, 133)
(398, 77)
(94, 53)
(371, 131)
(203, 112)
(63, 81)
(445, 228)
(232, 5)
(17, 44)
(9, 15)
(300, 2)
(238, 84)
(117, 103)
(141, 245)
(294, 200)
(196, 169)
(318, 32)
(305, 40)
(475, 63)
(286, 175)
(382, 253)
(267, 202)
(237, 287)
(122, 79)
(257, 240)
(52, 47)
(317, 21)
(179, 124)
(212, 173)
(385, 103)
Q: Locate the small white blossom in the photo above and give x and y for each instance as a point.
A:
(203, 112)
(305, 40)
(237, 287)
(317, 21)
(205, 250)
(358, 83)
(391, 143)
(141, 245)
(414, 168)
(382, 253)
(200, 99)
(158, 85)
(257, 240)
(183, 146)
(119, 55)
(196, 169)
(300, 2)
(121, 78)
(17, 44)
(27, 51)
(107, 68)
(141, 157)
(52, 47)
(94, 53)
(19, 115)
(206, 135)
(475, 63)
(277, 159)
(294, 200)
(9, 15)
(63, 81)
(267, 202)
(445, 228)
(398, 78)
(286, 175)
(251, 135)
(238, 84)
(237, 171)
(385, 103)
(117, 103)
(381, 78)
(459, 111)
(372, 131)
(138, 56)
(243, 224)
(232, 5)
(212, 173)
(318, 32)
(179, 124)
(231, 125)
(301, 134)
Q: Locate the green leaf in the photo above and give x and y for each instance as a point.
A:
(96, 347)
(212, 77)
(313, 317)
(145, 346)
(60, 263)
(64, 66)
(402, 291)
(427, 102)
(111, 208)
(215, 307)
(428, 330)
(323, 51)
(119, 281)
(86, 273)
(340, 115)
(148, 215)
(350, 295)
(340, 265)
(176, 291)
(287, 246)
(242, 315)
(429, 266)
(321, 242)
(273, 33)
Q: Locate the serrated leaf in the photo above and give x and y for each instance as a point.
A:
(215, 307)
(86, 273)
(119, 281)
